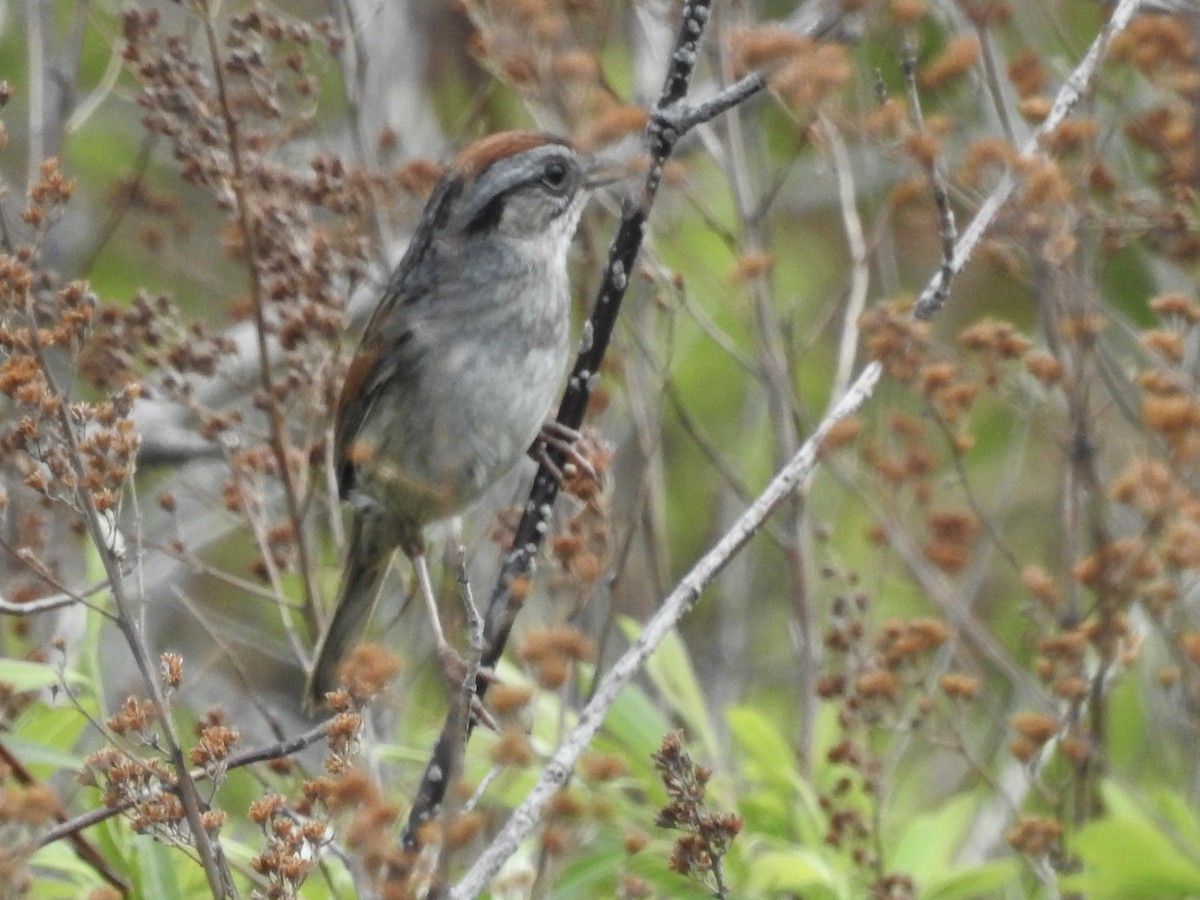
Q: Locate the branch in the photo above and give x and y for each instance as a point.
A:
(674, 607)
(1073, 88)
(57, 600)
(274, 751)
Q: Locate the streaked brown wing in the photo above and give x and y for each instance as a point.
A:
(388, 355)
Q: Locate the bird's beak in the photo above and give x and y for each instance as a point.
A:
(600, 175)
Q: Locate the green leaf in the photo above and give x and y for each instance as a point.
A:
(794, 869)
(24, 675)
(768, 813)
(59, 872)
(1128, 854)
(591, 874)
(158, 870)
(977, 881)
(767, 757)
(670, 670)
(43, 761)
(1179, 812)
(924, 845)
(43, 738)
(636, 722)
(652, 868)
(786, 807)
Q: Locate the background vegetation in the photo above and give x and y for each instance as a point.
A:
(962, 660)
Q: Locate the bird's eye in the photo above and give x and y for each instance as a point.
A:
(554, 176)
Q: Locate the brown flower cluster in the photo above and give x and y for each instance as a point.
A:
(146, 787)
(1033, 731)
(213, 748)
(877, 677)
(291, 848)
(150, 340)
(1064, 663)
(1171, 410)
(801, 71)
(994, 342)
(957, 57)
(63, 448)
(551, 651)
(706, 837)
(1036, 836)
(342, 733)
(906, 461)
(296, 833)
(512, 748)
(870, 674)
(548, 51)
(26, 806)
(134, 717)
(952, 538)
(367, 815)
(1164, 51)
(895, 338)
(366, 671)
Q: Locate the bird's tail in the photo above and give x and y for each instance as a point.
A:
(366, 563)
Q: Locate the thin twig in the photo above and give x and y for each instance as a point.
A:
(860, 272)
(278, 429)
(42, 604)
(464, 697)
(950, 599)
(201, 567)
(935, 171)
(352, 58)
(84, 110)
(122, 204)
(248, 683)
(991, 77)
(58, 600)
(278, 750)
(255, 515)
(35, 43)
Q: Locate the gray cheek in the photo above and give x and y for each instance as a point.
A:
(527, 214)
(480, 476)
